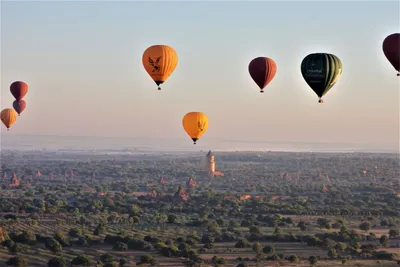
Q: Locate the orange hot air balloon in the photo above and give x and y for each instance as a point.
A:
(195, 124)
(8, 117)
(18, 89)
(160, 61)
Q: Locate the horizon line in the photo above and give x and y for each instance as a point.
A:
(171, 138)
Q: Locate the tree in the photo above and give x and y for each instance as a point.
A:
(393, 233)
(52, 245)
(242, 243)
(122, 262)
(278, 231)
(322, 222)
(217, 261)
(257, 248)
(313, 241)
(340, 246)
(302, 225)
(81, 260)
(120, 246)
(100, 229)
(17, 261)
(254, 230)
(106, 258)
(384, 241)
(313, 260)
(172, 218)
(62, 239)
(365, 226)
(269, 249)
(207, 238)
(332, 253)
(293, 259)
(146, 259)
(57, 262)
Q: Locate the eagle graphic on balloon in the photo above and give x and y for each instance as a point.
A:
(155, 64)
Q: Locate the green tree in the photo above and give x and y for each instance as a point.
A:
(365, 226)
(17, 261)
(106, 258)
(393, 233)
(82, 260)
(269, 249)
(332, 253)
(57, 262)
(384, 241)
(313, 260)
(146, 259)
(257, 248)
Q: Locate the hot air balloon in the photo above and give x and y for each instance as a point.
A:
(391, 49)
(262, 70)
(19, 106)
(195, 125)
(8, 117)
(19, 90)
(321, 71)
(160, 61)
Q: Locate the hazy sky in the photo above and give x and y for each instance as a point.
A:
(83, 63)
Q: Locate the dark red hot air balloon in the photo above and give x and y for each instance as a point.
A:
(19, 106)
(18, 90)
(391, 49)
(262, 70)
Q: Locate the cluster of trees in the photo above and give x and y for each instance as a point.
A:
(99, 194)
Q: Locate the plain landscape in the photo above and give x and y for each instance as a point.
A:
(61, 208)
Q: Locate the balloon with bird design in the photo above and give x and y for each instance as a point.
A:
(195, 124)
(160, 62)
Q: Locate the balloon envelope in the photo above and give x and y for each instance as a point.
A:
(262, 70)
(160, 61)
(391, 49)
(321, 71)
(8, 117)
(18, 89)
(195, 124)
(19, 106)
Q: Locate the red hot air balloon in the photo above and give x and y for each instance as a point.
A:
(19, 106)
(18, 90)
(391, 49)
(262, 70)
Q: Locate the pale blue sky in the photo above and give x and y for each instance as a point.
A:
(82, 61)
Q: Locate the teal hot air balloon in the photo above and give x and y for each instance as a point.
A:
(321, 71)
